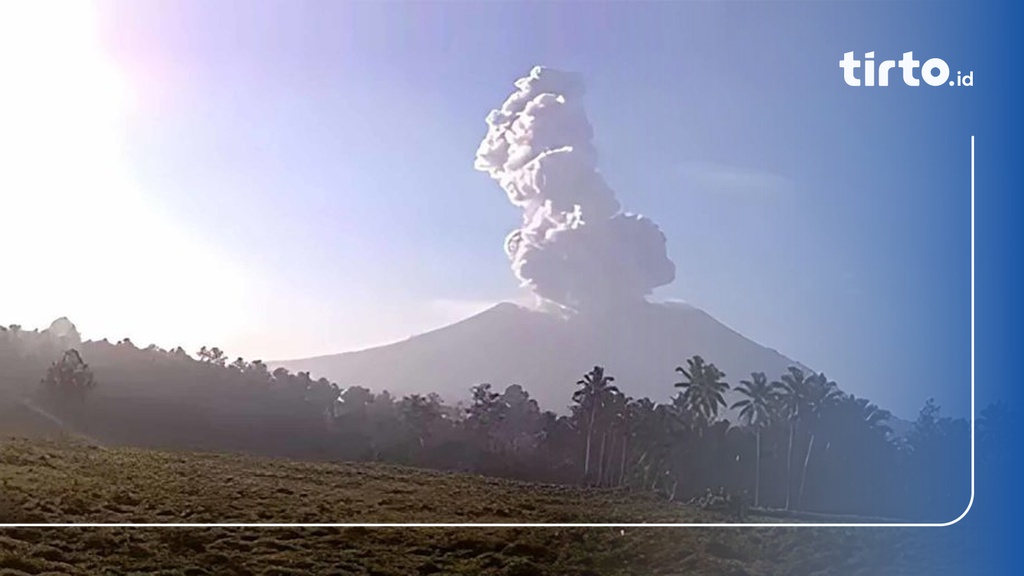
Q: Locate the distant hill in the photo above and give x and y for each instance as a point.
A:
(547, 353)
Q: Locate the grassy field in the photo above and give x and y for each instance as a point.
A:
(67, 481)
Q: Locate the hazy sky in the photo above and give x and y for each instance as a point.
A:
(286, 179)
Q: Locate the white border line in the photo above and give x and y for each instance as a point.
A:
(970, 504)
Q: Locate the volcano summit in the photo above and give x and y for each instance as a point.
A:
(547, 353)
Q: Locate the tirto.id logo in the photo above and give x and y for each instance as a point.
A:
(934, 71)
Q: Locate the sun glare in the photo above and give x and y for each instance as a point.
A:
(79, 237)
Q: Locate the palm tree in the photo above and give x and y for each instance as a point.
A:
(820, 394)
(755, 412)
(788, 395)
(649, 431)
(873, 417)
(703, 394)
(614, 409)
(703, 390)
(629, 418)
(594, 389)
(859, 446)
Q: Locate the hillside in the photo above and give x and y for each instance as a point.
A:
(546, 353)
(63, 482)
(166, 399)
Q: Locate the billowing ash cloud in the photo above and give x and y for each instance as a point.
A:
(575, 247)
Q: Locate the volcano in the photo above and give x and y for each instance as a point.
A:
(580, 254)
(547, 353)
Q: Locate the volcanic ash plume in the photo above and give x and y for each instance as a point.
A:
(575, 247)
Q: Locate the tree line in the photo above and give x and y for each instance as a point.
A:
(797, 441)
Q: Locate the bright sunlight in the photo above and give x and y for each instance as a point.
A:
(87, 241)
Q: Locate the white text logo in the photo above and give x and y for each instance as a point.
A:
(934, 71)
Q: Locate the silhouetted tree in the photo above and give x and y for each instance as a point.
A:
(853, 462)
(756, 413)
(68, 379)
(703, 390)
(819, 395)
(594, 389)
(420, 413)
(790, 391)
(212, 355)
(937, 463)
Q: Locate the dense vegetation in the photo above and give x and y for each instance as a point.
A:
(67, 482)
(799, 442)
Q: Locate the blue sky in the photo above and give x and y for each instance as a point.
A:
(323, 152)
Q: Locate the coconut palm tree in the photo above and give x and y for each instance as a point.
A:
(873, 417)
(703, 390)
(651, 428)
(820, 394)
(755, 412)
(594, 389)
(629, 420)
(857, 443)
(614, 421)
(789, 392)
(703, 394)
(658, 430)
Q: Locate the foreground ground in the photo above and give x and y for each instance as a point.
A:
(67, 481)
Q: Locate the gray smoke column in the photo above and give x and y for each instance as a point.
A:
(575, 247)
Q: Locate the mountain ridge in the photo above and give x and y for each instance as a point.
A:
(640, 344)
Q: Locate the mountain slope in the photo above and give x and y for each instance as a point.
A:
(547, 354)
